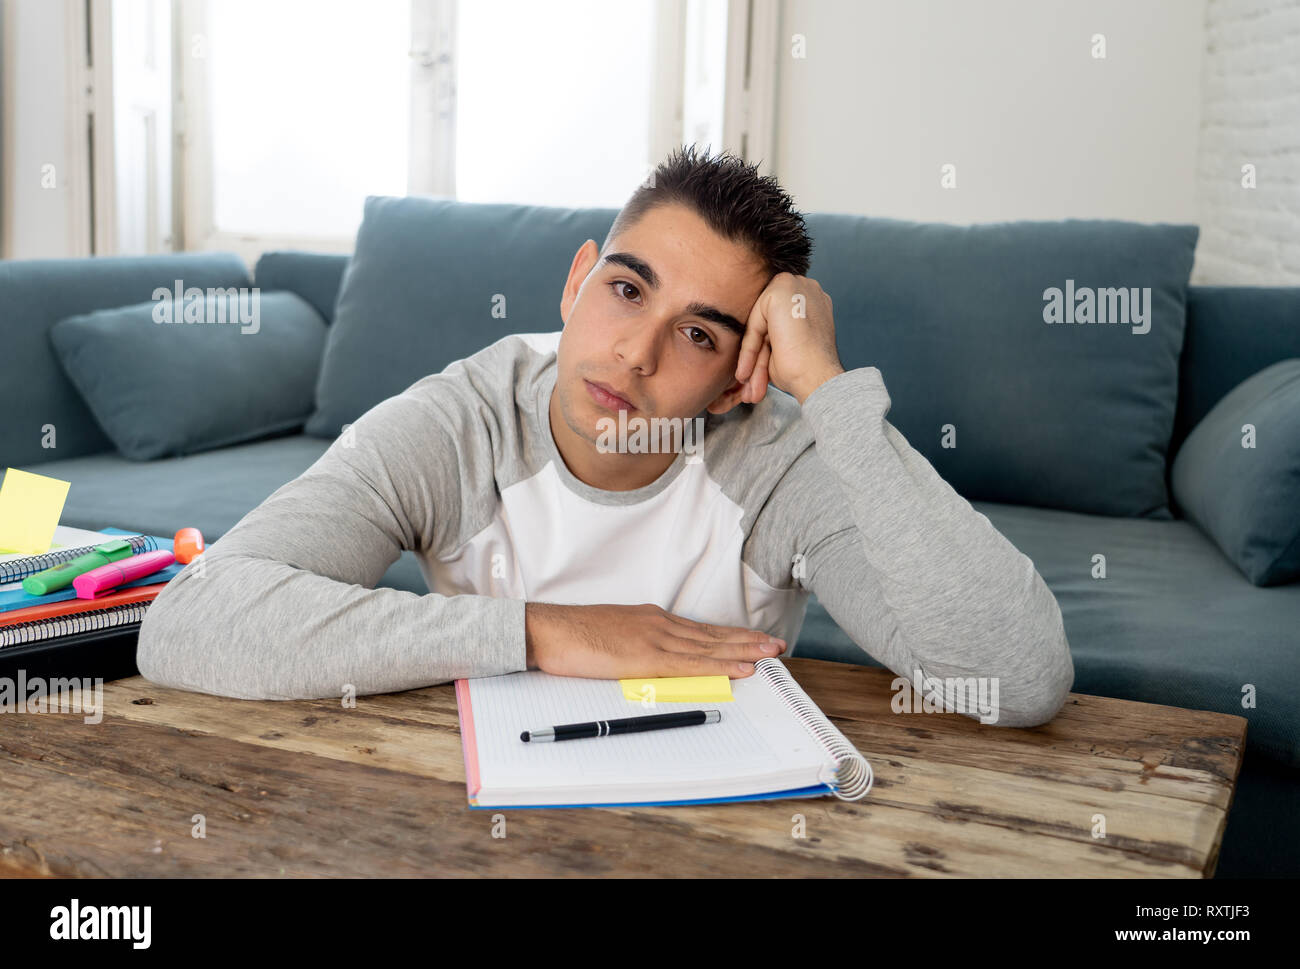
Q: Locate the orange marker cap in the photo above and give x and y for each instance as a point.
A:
(188, 545)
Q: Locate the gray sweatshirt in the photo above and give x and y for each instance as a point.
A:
(774, 503)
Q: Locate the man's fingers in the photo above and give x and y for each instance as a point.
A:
(757, 388)
(673, 663)
(710, 631)
(747, 652)
(755, 336)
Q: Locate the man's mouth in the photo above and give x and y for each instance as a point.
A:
(606, 397)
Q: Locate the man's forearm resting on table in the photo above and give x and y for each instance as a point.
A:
(285, 604)
(260, 629)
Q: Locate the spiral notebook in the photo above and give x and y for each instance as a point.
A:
(68, 544)
(772, 742)
(129, 614)
(13, 597)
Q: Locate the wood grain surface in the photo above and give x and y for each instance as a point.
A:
(311, 788)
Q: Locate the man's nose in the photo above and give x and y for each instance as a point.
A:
(640, 348)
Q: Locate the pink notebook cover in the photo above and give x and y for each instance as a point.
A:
(467, 744)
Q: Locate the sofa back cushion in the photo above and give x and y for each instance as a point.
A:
(40, 404)
(998, 369)
(1233, 332)
(432, 281)
(167, 379)
(315, 276)
(1006, 406)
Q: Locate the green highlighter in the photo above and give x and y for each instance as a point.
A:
(51, 580)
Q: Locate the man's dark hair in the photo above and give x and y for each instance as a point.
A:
(733, 199)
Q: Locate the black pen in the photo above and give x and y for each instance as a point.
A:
(605, 728)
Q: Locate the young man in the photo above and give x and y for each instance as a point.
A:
(547, 549)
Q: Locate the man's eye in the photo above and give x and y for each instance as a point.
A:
(620, 282)
(707, 346)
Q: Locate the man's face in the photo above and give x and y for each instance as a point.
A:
(656, 321)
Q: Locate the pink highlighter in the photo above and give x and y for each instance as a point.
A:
(100, 581)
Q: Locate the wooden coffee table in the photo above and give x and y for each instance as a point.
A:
(308, 788)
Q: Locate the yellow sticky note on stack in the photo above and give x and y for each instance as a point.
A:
(30, 506)
(679, 689)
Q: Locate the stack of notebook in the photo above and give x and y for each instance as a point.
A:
(59, 634)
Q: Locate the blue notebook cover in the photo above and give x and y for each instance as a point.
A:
(817, 790)
(18, 599)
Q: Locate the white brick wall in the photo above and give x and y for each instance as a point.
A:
(1250, 114)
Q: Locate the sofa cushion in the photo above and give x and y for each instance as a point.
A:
(432, 281)
(315, 276)
(211, 491)
(1232, 333)
(162, 382)
(1173, 621)
(44, 414)
(1247, 498)
(1069, 415)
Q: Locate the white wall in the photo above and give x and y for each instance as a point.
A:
(1007, 90)
(1251, 116)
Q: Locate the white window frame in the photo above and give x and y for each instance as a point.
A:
(431, 160)
(749, 113)
(94, 98)
(753, 58)
(750, 76)
(191, 110)
(89, 97)
(669, 67)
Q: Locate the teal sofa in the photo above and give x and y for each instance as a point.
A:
(1183, 627)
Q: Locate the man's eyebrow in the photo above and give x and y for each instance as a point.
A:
(703, 310)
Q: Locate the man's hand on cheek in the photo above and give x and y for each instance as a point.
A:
(789, 340)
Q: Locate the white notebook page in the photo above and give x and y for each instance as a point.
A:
(758, 737)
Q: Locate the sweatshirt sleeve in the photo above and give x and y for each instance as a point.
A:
(284, 607)
(917, 577)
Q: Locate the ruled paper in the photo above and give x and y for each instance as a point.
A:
(758, 736)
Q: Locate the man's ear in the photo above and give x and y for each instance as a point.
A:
(588, 255)
(728, 399)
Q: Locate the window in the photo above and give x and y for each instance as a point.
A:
(303, 111)
(292, 112)
(554, 100)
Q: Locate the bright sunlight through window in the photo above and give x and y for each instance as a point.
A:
(554, 100)
(309, 108)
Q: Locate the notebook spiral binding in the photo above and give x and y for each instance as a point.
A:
(37, 630)
(852, 772)
(17, 569)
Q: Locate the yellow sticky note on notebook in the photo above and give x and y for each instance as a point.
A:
(679, 689)
(30, 506)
